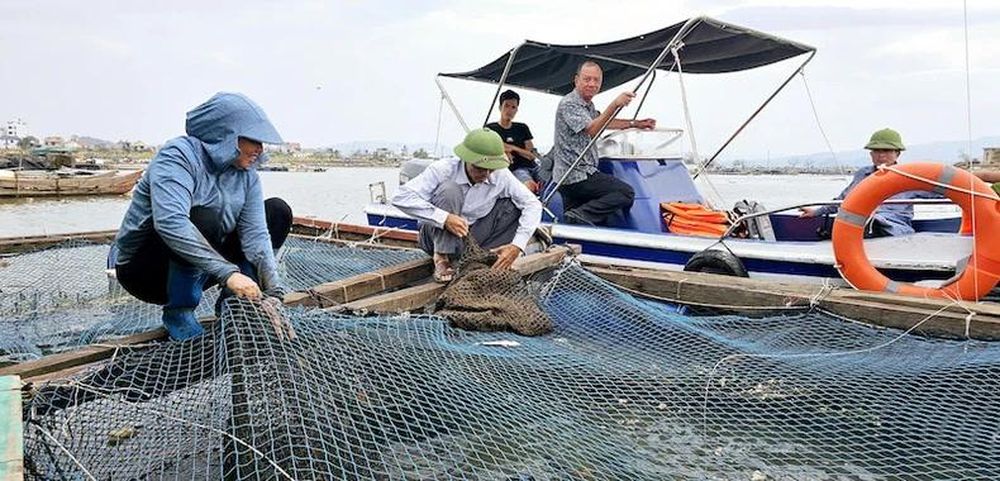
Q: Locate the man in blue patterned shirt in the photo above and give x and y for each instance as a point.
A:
(589, 196)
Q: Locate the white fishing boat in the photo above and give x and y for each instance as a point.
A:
(776, 243)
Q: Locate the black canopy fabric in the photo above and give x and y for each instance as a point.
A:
(709, 46)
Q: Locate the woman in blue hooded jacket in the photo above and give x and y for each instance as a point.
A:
(198, 216)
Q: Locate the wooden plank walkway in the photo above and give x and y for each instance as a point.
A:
(935, 317)
(363, 285)
(13, 245)
(87, 354)
(11, 431)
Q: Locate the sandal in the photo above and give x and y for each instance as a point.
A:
(443, 272)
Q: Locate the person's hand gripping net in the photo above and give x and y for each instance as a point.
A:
(282, 326)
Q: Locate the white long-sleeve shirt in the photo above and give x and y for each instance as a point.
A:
(414, 197)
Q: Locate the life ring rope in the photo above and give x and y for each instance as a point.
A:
(941, 187)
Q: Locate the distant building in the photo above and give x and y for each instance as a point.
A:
(15, 128)
(991, 156)
(285, 148)
(53, 141)
(8, 142)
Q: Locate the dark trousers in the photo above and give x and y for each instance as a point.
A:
(597, 197)
(157, 275)
(493, 230)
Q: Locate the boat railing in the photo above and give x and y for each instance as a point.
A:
(630, 143)
(753, 215)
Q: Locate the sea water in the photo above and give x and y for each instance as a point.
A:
(340, 194)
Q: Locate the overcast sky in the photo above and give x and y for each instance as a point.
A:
(338, 71)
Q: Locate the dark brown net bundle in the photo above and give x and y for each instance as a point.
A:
(485, 299)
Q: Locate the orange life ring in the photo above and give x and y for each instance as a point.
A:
(983, 270)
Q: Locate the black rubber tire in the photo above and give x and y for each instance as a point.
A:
(716, 261)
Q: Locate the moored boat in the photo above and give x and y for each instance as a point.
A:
(66, 182)
(776, 244)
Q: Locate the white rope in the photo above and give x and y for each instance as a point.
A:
(684, 102)
(826, 288)
(968, 79)
(68, 453)
(968, 123)
(717, 196)
(969, 191)
(437, 137)
(819, 124)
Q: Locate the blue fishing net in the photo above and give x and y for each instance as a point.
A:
(622, 388)
(63, 297)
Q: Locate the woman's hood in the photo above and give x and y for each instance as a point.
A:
(222, 120)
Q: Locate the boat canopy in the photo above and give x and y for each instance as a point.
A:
(706, 45)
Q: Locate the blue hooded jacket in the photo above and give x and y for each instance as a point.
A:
(197, 171)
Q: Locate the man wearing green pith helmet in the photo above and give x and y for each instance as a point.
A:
(474, 195)
(884, 146)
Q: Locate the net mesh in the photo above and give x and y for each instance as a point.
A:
(305, 262)
(622, 388)
(61, 297)
(484, 299)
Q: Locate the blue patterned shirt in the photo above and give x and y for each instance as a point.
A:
(572, 118)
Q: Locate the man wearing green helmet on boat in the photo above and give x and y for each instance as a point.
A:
(884, 146)
(474, 195)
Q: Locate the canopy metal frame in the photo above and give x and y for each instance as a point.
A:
(675, 46)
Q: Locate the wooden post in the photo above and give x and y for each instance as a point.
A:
(11, 435)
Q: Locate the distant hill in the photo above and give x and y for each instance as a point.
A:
(92, 142)
(947, 151)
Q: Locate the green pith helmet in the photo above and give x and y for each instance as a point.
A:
(885, 139)
(482, 148)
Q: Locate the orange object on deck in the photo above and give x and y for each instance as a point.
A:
(694, 219)
(983, 269)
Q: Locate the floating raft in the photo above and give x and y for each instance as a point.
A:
(648, 375)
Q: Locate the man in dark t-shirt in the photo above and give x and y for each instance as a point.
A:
(517, 141)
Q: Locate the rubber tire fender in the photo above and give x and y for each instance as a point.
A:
(716, 261)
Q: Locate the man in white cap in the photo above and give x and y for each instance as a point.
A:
(474, 195)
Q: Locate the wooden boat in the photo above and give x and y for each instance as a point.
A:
(33, 183)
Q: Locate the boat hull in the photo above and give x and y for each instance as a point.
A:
(56, 183)
(917, 257)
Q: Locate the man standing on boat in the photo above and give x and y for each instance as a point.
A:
(885, 146)
(517, 141)
(198, 216)
(589, 196)
(475, 195)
